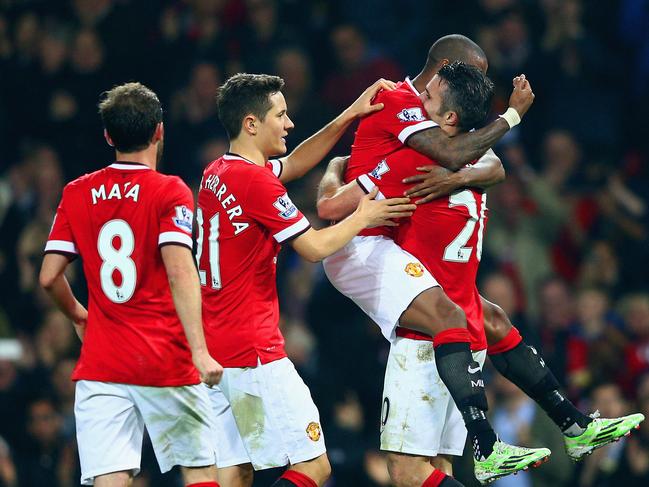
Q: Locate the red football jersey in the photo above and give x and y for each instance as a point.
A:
(116, 219)
(446, 235)
(244, 214)
(384, 132)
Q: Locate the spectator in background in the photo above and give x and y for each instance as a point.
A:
(8, 476)
(597, 342)
(635, 309)
(41, 460)
(526, 215)
(194, 120)
(556, 316)
(263, 36)
(356, 67)
(307, 111)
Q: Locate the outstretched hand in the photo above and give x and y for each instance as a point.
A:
(363, 105)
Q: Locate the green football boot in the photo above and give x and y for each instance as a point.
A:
(508, 459)
(601, 432)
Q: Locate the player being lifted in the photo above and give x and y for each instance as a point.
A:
(454, 258)
(262, 407)
(142, 334)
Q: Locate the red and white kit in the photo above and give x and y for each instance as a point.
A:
(134, 346)
(438, 246)
(244, 215)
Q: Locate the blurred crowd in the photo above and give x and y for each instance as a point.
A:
(567, 246)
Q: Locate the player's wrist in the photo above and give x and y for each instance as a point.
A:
(511, 116)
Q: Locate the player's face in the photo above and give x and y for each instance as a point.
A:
(275, 127)
(432, 99)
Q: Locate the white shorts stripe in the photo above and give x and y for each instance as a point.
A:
(291, 231)
(412, 129)
(61, 246)
(175, 237)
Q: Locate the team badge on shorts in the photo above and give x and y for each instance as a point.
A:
(414, 269)
(313, 431)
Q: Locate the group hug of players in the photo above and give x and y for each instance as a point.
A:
(198, 357)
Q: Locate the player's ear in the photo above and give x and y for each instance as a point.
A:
(159, 132)
(108, 139)
(451, 118)
(250, 124)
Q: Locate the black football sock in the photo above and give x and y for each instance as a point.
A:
(463, 378)
(524, 367)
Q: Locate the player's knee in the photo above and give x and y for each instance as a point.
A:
(496, 322)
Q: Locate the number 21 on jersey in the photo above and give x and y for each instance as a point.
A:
(457, 251)
(212, 250)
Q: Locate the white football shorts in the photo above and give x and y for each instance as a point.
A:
(265, 415)
(419, 416)
(380, 277)
(110, 421)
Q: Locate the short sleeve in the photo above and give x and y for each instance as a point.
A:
(403, 115)
(276, 166)
(176, 215)
(269, 204)
(61, 239)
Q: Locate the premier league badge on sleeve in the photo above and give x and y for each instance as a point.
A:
(411, 115)
(286, 207)
(183, 218)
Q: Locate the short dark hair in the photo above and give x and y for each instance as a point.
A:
(130, 113)
(468, 93)
(244, 94)
(454, 47)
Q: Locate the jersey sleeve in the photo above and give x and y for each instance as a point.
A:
(61, 240)
(269, 204)
(176, 215)
(276, 166)
(368, 182)
(403, 115)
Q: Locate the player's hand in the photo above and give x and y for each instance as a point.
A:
(522, 96)
(363, 105)
(209, 369)
(434, 182)
(378, 213)
(80, 320)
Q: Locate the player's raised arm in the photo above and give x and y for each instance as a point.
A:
(455, 152)
(310, 152)
(436, 181)
(53, 280)
(337, 200)
(315, 245)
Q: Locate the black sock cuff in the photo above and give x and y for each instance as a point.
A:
(449, 348)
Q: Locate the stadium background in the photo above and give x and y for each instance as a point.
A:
(566, 252)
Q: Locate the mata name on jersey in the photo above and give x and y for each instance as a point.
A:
(115, 192)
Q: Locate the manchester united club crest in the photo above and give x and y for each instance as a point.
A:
(414, 269)
(313, 431)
